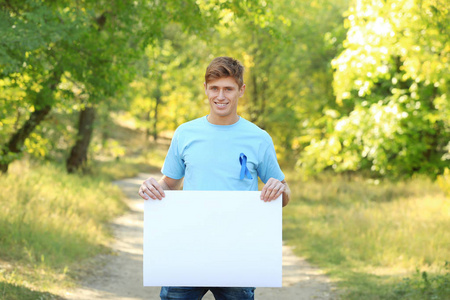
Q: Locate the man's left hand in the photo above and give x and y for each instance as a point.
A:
(272, 190)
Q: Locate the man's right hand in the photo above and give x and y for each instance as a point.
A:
(151, 188)
(155, 189)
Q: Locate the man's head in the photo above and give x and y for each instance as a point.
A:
(224, 86)
(224, 66)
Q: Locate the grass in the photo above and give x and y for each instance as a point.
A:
(370, 235)
(16, 292)
(376, 239)
(422, 286)
(49, 222)
(52, 224)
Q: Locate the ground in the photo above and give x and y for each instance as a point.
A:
(119, 277)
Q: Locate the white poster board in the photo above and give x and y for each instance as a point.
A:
(213, 238)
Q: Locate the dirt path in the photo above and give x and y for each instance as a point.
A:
(120, 278)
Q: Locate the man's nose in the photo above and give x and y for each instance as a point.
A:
(221, 96)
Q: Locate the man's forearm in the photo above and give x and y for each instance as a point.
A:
(169, 184)
(164, 185)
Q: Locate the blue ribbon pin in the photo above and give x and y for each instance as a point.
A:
(244, 170)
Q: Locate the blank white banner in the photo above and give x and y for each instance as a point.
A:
(213, 238)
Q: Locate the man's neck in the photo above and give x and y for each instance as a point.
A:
(229, 120)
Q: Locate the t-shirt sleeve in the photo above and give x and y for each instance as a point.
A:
(268, 166)
(174, 166)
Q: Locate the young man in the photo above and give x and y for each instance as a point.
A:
(222, 152)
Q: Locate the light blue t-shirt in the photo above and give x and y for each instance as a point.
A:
(207, 156)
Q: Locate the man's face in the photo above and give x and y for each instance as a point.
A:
(223, 95)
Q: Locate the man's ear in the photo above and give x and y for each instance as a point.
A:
(204, 84)
(242, 90)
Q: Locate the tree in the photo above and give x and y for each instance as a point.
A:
(168, 88)
(195, 17)
(31, 67)
(94, 44)
(102, 48)
(392, 85)
(171, 73)
(287, 56)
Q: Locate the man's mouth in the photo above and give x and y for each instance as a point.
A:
(221, 105)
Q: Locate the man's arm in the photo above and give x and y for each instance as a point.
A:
(274, 188)
(151, 188)
(286, 194)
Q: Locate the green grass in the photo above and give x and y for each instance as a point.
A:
(369, 235)
(16, 292)
(50, 222)
(376, 239)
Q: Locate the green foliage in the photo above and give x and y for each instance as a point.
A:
(388, 114)
(287, 63)
(72, 54)
(392, 84)
(287, 70)
(169, 88)
(422, 286)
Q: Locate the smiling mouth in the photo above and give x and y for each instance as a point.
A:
(221, 105)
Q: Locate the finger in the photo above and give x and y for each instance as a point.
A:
(267, 190)
(273, 189)
(142, 194)
(150, 182)
(159, 189)
(263, 192)
(273, 192)
(154, 188)
(277, 191)
(146, 191)
(153, 192)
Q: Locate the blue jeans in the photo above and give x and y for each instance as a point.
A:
(197, 293)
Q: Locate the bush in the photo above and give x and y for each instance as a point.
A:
(422, 286)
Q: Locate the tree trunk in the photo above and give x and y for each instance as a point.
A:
(15, 143)
(148, 132)
(262, 112)
(78, 155)
(254, 112)
(157, 94)
(155, 119)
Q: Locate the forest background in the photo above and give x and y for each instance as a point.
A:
(353, 92)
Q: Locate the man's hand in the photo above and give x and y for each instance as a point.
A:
(151, 189)
(273, 189)
(155, 189)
